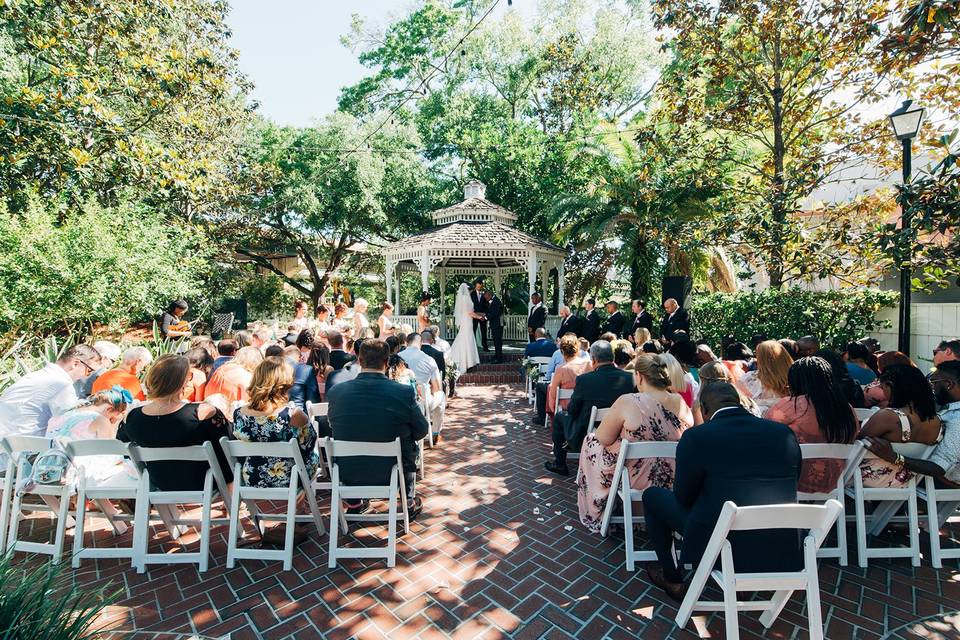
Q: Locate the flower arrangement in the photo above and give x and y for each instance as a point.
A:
(531, 370)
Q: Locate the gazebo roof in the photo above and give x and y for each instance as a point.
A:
(479, 231)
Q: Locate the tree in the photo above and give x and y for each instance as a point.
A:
(309, 194)
(785, 80)
(103, 96)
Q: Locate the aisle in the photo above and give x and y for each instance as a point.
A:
(481, 562)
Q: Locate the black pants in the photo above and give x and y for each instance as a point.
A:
(664, 516)
(496, 331)
(540, 391)
(561, 425)
(483, 332)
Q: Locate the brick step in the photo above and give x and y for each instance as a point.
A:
(487, 358)
(503, 367)
(482, 378)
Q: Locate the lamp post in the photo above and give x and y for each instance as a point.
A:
(906, 124)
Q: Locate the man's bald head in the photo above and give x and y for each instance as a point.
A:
(718, 395)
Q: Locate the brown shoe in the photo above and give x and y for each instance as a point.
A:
(675, 590)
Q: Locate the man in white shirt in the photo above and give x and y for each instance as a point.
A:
(108, 354)
(27, 406)
(425, 369)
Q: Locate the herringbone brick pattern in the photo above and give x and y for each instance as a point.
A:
(480, 563)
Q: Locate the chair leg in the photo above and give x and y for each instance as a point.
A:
(933, 526)
(234, 524)
(61, 530)
(914, 520)
(15, 516)
(814, 614)
(141, 525)
(777, 603)
(81, 519)
(336, 517)
(110, 513)
(291, 519)
(205, 522)
(627, 528)
(861, 527)
(841, 526)
(5, 506)
(729, 594)
(392, 523)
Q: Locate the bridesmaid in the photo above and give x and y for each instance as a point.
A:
(423, 313)
(385, 321)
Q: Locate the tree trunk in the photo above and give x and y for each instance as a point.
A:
(639, 275)
(776, 267)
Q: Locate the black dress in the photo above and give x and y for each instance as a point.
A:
(182, 428)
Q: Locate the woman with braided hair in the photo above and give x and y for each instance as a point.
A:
(654, 413)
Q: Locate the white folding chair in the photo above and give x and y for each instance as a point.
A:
(167, 503)
(891, 499)
(395, 493)
(562, 394)
(55, 497)
(864, 414)
(816, 519)
(317, 410)
(6, 491)
(942, 507)
(543, 364)
(101, 492)
(596, 417)
(423, 399)
(620, 489)
(236, 451)
(852, 455)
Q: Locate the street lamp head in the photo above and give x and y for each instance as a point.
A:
(906, 120)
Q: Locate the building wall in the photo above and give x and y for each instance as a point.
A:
(930, 323)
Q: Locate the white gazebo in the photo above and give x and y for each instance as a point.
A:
(476, 238)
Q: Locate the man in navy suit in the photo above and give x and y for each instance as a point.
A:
(479, 306)
(540, 346)
(495, 320)
(615, 321)
(641, 319)
(537, 318)
(591, 321)
(569, 323)
(733, 456)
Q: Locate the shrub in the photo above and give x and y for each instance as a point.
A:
(64, 271)
(835, 317)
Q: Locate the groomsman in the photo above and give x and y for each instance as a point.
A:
(615, 321)
(591, 321)
(537, 317)
(641, 319)
(569, 323)
(479, 306)
(495, 318)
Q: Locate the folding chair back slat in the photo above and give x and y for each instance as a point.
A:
(317, 409)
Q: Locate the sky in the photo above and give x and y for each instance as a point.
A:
(291, 50)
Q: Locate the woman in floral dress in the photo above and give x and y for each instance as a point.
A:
(653, 414)
(268, 418)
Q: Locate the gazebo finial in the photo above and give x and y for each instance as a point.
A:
(474, 189)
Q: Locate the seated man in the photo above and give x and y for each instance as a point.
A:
(541, 346)
(425, 369)
(226, 351)
(733, 456)
(338, 357)
(598, 388)
(28, 404)
(944, 463)
(373, 408)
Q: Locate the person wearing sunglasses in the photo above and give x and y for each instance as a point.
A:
(27, 406)
(944, 464)
(946, 351)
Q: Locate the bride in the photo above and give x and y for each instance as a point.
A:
(464, 352)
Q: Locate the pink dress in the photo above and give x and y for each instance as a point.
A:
(651, 422)
(882, 474)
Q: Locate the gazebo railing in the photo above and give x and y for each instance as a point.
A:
(514, 328)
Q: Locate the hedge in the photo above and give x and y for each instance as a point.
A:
(835, 317)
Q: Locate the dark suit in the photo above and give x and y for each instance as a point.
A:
(340, 358)
(541, 348)
(570, 324)
(614, 324)
(642, 320)
(591, 326)
(495, 318)
(305, 387)
(373, 408)
(437, 356)
(679, 322)
(536, 319)
(599, 388)
(480, 306)
(738, 457)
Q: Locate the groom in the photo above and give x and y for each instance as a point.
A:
(479, 306)
(495, 318)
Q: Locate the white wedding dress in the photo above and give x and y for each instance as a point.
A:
(464, 352)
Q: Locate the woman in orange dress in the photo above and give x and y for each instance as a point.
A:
(231, 381)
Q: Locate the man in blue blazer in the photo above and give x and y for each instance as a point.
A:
(540, 346)
(733, 456)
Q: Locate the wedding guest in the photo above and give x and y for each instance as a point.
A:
(714, 373)
(268, 417)
(597, 388)
(172, 324)
(641, 337)
(27, 405)
(207, 344)
(540, 346)
(807, 346)
(338, 357)
(108, 354)
(347, 372)
(423, 312)
(816, 411)
(398, 371)
(360, 321)
(233, 379)
(372, 408)
(319, 360)
(565, 377)
(790, 346)
(676, 319)
(654, 413)
(856, 357)
(439, 342)
(168, 421)
(705, 354)
(874, 394)
(557, 358)
(244, 338)
(321, 321)
(850, 387)
(944, 463)
(737, 357)
(946, 351)
(910, 416)
(686, 354)
(127, 374)
(291, 336)
(97, 417)
(304, 344)
(615, 320)
(304, 387)
(340, 321)
(608, 336)
(767, 382)
(201, 364)
(622, 354)
(227, 350)
(300, 319)
(654, 347)
(385, 324)
(681, 382)
(426, 371)
(734, 457)
(427, 345)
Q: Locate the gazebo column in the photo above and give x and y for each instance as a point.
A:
(424, 264)
(531, 278)
(442, 277)
(389, 273)
(560, 284)
(544, 283)
(498, 281)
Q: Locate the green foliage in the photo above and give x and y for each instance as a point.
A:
(62, 272)
(266, 297)
(41, 602)
(835, 317)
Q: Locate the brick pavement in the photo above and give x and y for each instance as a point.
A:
(479, 563)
